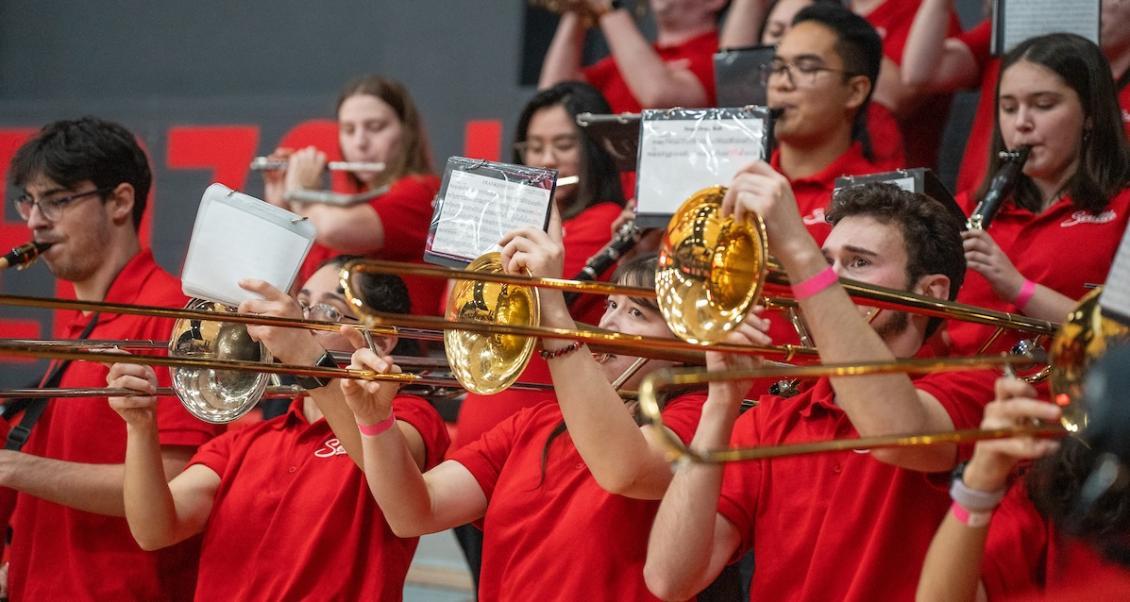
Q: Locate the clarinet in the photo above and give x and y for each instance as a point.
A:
(625, 238)
(1004, 180)
(23, 256)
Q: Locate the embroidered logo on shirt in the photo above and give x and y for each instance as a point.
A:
(332, 447)
(816, 217)
(1084, 217)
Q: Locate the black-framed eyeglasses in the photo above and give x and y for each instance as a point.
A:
(800, 73)
(324, 312)
(52, 209)
(560, 146)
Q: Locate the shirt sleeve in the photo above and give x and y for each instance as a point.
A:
(486, 457)
(427, 421)
(406, 213)
(1016, 547)
(216, 453)
(979, 42)
(737, 501)
(600, 73)
(682, 414)
(964, 395)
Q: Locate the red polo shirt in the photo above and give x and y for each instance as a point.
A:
(1063, 248)
(584, 235)
(406, 213)
(60, 553)
(559, 536)
(293, 517)
(1026, 558)
(836, 526)
(921, 130)
(696, 54)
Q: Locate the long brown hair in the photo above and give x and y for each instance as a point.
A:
(414, 157)
(1104, 158)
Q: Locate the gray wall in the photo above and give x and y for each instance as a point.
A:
(158, 65)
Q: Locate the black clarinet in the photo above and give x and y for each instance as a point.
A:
(23, 255)
(625, 238)
(1001, 186)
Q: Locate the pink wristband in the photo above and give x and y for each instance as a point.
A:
(970, 519)
(1027, 290)
(815, 284)
(372, 430)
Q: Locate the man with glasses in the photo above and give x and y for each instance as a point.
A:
(821, 79)
(83, 189)
(283, 505)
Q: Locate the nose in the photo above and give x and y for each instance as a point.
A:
(36, 220)
(609, 319)
(1024, 121)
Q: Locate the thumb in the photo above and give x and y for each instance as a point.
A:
(555, 229)
(353, 335)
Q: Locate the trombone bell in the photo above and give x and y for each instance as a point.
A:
(711, 269)
(216, 396)
(1084, 337)
(489, 363)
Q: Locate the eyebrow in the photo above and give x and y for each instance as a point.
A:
(50, 192)
(860, 251)
(800, 57)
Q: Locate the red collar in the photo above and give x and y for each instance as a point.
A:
(844, 164)
(125, 288)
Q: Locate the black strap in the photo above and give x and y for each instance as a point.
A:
(33, 407)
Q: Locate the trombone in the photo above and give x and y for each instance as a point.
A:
(1084, 337)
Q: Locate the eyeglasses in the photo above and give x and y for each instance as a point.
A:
(52, 209)
(801, 73)
(324, 312)
(560, 147)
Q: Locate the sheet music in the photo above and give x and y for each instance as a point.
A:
(1025, 19)
(237, 236)
(684, 151)
(478, 210)
(1115, 298)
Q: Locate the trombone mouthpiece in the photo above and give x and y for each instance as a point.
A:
(23, 255)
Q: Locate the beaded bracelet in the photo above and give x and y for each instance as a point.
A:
(552, 354)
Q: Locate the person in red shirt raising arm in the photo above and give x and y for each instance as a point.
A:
(1020, 534)
(678, 71)
(565, 491)
(282, 505)
(847, 525)
(377, 123)
(1055, 235)
(85, 185)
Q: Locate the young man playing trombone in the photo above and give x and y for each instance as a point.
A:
(84, 187)
(282, 505)
(842, 526)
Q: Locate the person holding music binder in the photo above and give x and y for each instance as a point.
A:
(378, 122)
(849, 525)
(1052, 232)
(84, 189)
(1019, 528)
(282, 505)
(565, 491)
(677, 71)
(942, 62)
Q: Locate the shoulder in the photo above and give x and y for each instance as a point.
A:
(415, 184)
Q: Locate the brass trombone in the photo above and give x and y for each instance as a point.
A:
(1084, 337)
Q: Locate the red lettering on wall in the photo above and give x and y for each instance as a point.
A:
(482, 139)
(225, 150)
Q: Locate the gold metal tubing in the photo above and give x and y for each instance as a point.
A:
(655, 382)
(177, 314)
(273, 391)
(864, 294)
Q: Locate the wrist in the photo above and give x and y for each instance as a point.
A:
(979, 477)
(377, 428)
(371, 416)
